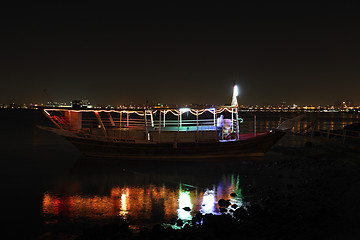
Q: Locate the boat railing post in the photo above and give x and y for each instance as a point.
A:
(180, 119)
(237, 124)
(120, 119)
(146, 129)
(127, 118)
(69, 116)
(152, 119)
(178, 125)
(232, 120)
(159, 124)
(164, 117)
(197, 124)
(215, 117)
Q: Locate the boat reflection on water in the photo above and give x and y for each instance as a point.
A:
(160, 201)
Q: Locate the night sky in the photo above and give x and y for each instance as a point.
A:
(119, 55)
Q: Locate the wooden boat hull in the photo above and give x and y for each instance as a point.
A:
(250, 147)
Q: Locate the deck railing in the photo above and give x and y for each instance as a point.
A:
(110, 122)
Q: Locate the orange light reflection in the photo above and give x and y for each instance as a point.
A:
(141, 203)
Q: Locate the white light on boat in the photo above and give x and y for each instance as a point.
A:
(234, 101)
(182, 110)
(236, 90)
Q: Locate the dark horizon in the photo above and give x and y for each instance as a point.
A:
(299, 54)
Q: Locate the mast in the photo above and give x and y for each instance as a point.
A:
(234, 101)
(47, 95)
(234, 104)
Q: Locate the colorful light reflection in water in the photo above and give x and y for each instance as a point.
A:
(143, 203)
(208, 202)
(184, 202)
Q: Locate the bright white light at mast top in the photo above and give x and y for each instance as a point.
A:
(234, 101)
(236, 90)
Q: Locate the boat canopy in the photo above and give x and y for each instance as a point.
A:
(148, 120)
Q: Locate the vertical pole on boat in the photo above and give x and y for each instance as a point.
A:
(215, 117)
(120, 124)
(152, 119)
(127, 118)
(178, 124)
(197, 120)
(197, 124)
(180, 119)
(237, 123)
(159, 121)
(159, 124)
(255, 125)
(164, 117)
(232, 119)
(146, 129)
(69, 116)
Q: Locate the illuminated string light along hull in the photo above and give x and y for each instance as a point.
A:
(250, 146)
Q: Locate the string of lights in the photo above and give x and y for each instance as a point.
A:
(175, 112)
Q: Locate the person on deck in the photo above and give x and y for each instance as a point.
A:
(220, 125)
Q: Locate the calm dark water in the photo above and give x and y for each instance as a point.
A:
(143, 195)
(31, 160)
(49, 188)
